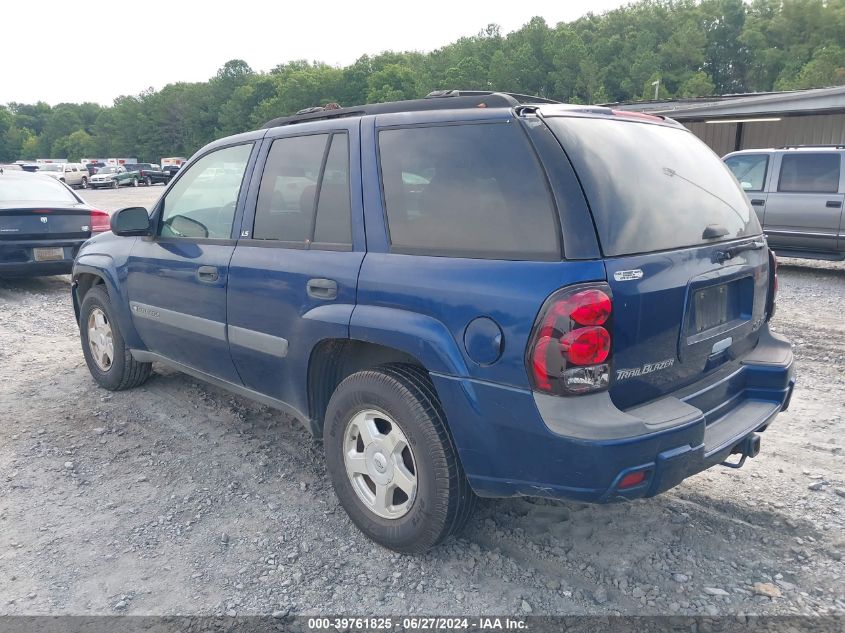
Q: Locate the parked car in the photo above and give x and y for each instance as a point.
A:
(455, 304)
(92, 167)
(798, 194)
(114, 177)
(148, 173)
(73, 174)
(170, 171)
(42, 224)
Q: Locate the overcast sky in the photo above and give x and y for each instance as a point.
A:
(74, 51)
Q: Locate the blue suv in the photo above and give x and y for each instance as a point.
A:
(471, 294)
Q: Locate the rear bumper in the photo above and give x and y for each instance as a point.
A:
(513, 442)
(16, 258)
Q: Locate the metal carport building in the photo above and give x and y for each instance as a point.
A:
(750, 121)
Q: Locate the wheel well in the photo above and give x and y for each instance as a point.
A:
(84, 283)
(335, 359)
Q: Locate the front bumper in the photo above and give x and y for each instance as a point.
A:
(513, 442)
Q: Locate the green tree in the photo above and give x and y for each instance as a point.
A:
(391, 83)
(698, 85)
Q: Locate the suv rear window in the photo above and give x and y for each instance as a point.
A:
(652, 187)
(474, 190)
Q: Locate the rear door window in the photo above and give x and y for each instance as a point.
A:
(474, 190)
(653, 187)
(288, 192)
(809, 173)
(334, 223)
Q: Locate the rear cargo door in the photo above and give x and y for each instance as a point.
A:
(679, 315)
(684, 251)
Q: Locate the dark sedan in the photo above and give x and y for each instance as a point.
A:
(42, 224)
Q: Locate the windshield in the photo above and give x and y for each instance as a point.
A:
(34, 189)
(652, 187)
(51, 167)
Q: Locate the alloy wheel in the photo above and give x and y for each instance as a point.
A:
(380, 464)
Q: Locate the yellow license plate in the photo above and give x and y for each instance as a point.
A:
(48, 254)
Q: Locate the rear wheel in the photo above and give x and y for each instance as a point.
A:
(392, 461)
(134, 182)
(84, 183)
(106, 353)
(148, 181)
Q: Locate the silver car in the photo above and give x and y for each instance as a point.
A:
(798, 194)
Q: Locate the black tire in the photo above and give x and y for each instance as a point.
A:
(444, 500)
(134, 182)
(84, 183)
(115, 184)
(125, 372)
(148, 181)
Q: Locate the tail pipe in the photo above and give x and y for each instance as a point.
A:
(749, 447)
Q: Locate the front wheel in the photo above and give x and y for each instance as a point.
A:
(148, 181)
(106, 353)
(134, 182)
(391, 459)
(115, 184)
(84, 183)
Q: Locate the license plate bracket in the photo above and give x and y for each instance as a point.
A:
(51, 254)
(710, 308)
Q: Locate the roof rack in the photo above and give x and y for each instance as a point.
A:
(819, 145)
(437, 100)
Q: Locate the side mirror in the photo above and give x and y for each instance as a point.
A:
(131, 221)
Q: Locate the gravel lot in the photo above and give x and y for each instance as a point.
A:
(180, 498)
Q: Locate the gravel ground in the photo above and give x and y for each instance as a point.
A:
(113, 199)
(180, 498)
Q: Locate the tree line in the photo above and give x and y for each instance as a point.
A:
(693, 47)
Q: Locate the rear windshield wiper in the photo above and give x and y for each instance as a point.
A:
(733, 251)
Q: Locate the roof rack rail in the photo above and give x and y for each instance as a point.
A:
(437, 100)
(815, 145)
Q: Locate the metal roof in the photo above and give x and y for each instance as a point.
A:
(816, 100)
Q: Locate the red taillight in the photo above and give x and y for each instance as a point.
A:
(593, 307)
(632, 479)
(586, 346)
(100, 221)
(571, 342)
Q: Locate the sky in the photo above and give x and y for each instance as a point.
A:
(56, 54)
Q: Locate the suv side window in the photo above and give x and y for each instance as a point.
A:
(809, 173)
(304, 193)
(288, 190)
(334, 212)
(472, 190)
(201, 204)
(750, 170)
